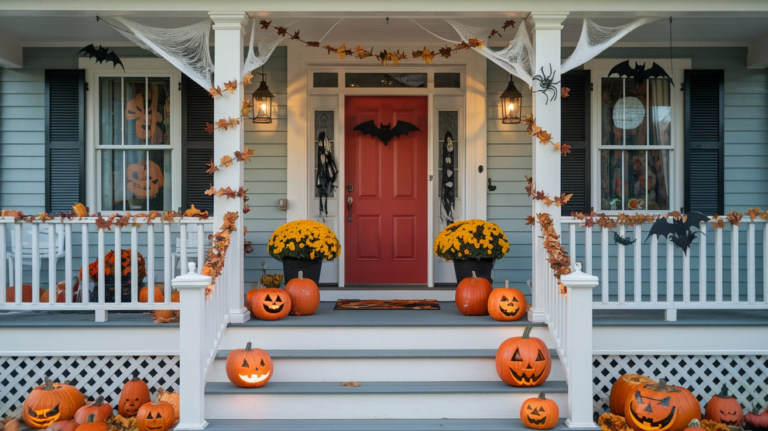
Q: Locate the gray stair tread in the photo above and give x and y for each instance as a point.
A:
(374, 425)
(335, 388)
(326, 316)
(376, 354)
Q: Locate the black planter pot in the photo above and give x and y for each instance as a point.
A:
(311, 268)
(482, 268)
(109, 290)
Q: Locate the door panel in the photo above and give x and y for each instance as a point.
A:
(386, 239)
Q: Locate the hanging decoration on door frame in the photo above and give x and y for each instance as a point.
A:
(448, 180)
(639, 72)
(385, 133)
(326, 172)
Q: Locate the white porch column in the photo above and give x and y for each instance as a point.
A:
(228, 60)
(546, 161)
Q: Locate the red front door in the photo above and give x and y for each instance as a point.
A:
(386, 224)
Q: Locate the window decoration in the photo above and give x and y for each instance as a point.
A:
(144, 179)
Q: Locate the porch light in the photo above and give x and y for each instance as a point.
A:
(262, 102)
(511, 100)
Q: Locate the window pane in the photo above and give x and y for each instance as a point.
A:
(658, 169)
(135, 109)
(369, 80)
(634, 181)
(447, 80)
(110, 115)
(147, 119)
(623, 112)
(612, 90)
(661, 111)
(160, 111)
(325, 80)
(640, 185)
(611, 184)
(136, 180)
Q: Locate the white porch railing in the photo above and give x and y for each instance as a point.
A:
(76, 242)
(720, 270)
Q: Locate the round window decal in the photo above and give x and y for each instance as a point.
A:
(628, 113)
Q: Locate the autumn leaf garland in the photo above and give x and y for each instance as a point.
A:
(544, 136)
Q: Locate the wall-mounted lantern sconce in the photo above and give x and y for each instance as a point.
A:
(511, 101)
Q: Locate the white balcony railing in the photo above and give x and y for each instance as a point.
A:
(724, 268)
(35, 257)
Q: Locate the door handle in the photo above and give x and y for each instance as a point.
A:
(349, 208)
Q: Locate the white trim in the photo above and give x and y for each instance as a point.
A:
(676, 69)
(150, 67)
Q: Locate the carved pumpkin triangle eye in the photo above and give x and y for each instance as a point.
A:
(540, 357)
(53, 412)
(529, 408)
(504, 299)
(268, 299)
(278, 299)
(263, 364)
(149, 416)
(517, 357)
(664, 402)
(32, 412)
(245, 363)
(159, 416)
(514, 299)
(638, 397)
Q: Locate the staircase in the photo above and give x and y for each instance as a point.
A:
(417, 370)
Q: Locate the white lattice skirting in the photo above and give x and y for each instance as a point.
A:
(102, 375)
(745, 375)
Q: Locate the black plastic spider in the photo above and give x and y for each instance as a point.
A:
(546, 84)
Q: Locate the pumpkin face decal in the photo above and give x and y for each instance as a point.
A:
(523, 361)
(659, 407)
(155, 416)
(135, 394)
(539, 413)
(50, 403)
(249, 368)
(144, 178)
(507, 304)
(270, 304)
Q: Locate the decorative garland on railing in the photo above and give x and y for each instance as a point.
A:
(557, 256)
(544, 136)
(611, 221)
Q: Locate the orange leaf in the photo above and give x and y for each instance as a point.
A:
(565, 92)
(245, 156)
(313, 44)
(544, 137)
(215, 92)
(247, 106)
(565, 149)
(233, 122)
(264, 24)
(563, 199)
(211, 168)
(231, 86)
(533, 129)
(226, 161)
(209, 127)
(530, 220)
(222, 124)
(281, 31)
(247, 79)
(211, 191)
(445, 52)
(508, 23)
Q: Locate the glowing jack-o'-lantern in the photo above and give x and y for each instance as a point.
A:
(523, 361)
(155, 416)
(135, 394)
(507, 304)
(622, 388)
(144, 178)
(249, 368)
(270, 304)
(51, 402)
(725, 409)
(539, 413)
(660, 407)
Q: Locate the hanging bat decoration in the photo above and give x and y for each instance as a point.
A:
(618, 239)
(326, 172)
(385, 133)
(547, 84)
(447, 180)
(102, 55)
(680, 230)
(639, 72)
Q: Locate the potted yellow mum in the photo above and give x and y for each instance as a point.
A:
(302, 245)
(472, 245)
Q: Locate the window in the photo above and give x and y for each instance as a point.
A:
(636, 144)
(135, 143)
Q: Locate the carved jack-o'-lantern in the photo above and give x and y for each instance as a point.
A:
(249, 368)
(144, 178)
(507, 304)
(622, 388)
(539, 413)
(98, 407)
(660, 407)
(270, 304)
(155, 416)
(523, 361)
(51, 402)
(725, 409)
(135, 394)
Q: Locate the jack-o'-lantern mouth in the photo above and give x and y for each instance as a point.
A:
(525, 377)
(273, 308)
(154, 428)
(255, 378)
(536, 421)
(507, 313)
(44, 418)
(660, 424)
(734, 422)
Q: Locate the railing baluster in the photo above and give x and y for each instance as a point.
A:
(17, 261)
(703, 263)
(118, 265)
(3, 263)
(183, 246)
(734, 263)
(718, 265)
(687, 276)
(35, 258)
(588, 248)
(622, 268)
(84, 262)
(670, 272)
(604, 264)
(638, 296)
(167, 261)
(751, 262)
(150, 263)
(655, 269)
(134, 264)
(101, 254)
(52, 288)
(68, 264)
(200, 245)
(572, 242)
(765, 263)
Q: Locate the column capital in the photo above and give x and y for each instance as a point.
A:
(229, 20)
(548, 20)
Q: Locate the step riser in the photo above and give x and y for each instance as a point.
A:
(377, 338)
(382, 370)
(373, 406)
(327, 295)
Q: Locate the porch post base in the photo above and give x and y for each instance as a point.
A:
(536, 315)
(581, 425)
(239, 315)
(192, 426)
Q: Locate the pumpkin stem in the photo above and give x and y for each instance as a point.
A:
(694, 423)
(91, 418)
(527, 332)
(506, 284)
(724, 392)
(542, 397)
(474, 275)
(248, 347)
(99, 401)
(301, 275)
(48, 384)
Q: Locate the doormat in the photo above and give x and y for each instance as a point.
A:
(394, 304)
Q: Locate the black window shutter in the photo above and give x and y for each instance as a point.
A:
(197, 147)
(64, 139)
(704, 141)
(574, 118)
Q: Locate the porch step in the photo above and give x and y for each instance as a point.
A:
(376, 400)
(373, 425)
(381, 365)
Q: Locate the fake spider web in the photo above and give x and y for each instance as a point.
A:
(595, 39)
(265, 41)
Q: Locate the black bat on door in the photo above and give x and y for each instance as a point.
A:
(639, 72)
(102, 55)
(385, 133)
(679, 231)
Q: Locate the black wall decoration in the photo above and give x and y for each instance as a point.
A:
(326, 173)
(385, 133)
(680, 230)
(447, 180)
(547, 84)
(618, 239)
(639, 72)
(102, 55)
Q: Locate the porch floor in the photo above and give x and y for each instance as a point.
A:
(373, 424)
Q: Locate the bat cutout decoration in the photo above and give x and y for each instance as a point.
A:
(385, 133)
(639, 72)
(680, 230)
(618, 239)
(102, 54)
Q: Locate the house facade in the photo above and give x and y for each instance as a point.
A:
(135, 140)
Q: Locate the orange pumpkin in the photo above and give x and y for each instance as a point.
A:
(660, 407)
(155, 416)
(725, 409)
(507, 304)
(143, 179)
(249, 297)
(70, 425)
(171, 398)
(539, 413)
(249, 368)
(623, 388)
(92, 425)
(523, 361)
(270, 304)
(305, 296)
(97, 407)
(26, 293)
(472, 296)
(12, 424)
(50, 403)
(135, 394)
(80, 210)
(61, 292)
(144, 295)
